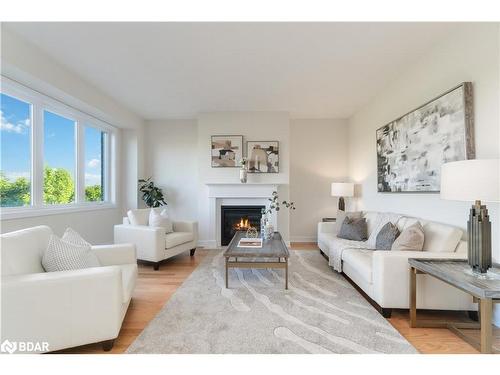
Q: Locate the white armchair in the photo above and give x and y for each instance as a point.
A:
(68, 308)
(152, 243)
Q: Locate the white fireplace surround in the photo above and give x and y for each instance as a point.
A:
(230, 194)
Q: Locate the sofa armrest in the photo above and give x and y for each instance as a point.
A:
(149, 241)
(391, 268)
(65, 309)
(116, 254)
(327, 227)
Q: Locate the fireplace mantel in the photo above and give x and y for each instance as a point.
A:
(248, 190)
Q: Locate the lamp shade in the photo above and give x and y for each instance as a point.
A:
(471, 180)
(342, 189)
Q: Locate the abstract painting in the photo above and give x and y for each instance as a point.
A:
(411, 149)
(263, 156)
(227, 150)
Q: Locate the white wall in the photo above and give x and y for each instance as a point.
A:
(172, 161)
(469, 55)
(258, 126)
(318, 157)
(29, 65)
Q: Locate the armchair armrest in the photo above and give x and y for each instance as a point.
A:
(65, 309)
(149, 241)
(185, 226)
(116, 254)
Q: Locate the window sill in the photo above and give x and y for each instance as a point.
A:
(22, 212)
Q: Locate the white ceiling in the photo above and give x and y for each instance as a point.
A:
(170, 70)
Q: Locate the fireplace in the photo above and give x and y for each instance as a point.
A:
(234, 218)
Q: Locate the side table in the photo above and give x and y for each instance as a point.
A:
(483, 288)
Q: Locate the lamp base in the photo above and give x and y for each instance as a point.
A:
(479, 238)
(341, 204)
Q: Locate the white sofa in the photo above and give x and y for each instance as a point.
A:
(152, 243)
(384, 275)
(68, 308)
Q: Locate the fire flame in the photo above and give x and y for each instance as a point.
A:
(242, 224)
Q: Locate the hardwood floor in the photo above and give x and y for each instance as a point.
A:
(154, 288)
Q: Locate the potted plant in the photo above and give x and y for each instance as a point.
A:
(151, 194)
(266, 228)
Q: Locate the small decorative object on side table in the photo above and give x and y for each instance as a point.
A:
(328, 219)
(485, 288)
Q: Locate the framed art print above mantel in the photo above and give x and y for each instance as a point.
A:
(226, 151)
(412, 148)
(263, 156)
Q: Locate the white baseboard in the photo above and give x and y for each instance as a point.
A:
(303, 239)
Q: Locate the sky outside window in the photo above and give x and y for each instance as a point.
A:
(94, 145)
(15, 162)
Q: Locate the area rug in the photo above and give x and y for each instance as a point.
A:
(319, 313)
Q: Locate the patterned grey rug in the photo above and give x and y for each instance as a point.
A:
(320, 313)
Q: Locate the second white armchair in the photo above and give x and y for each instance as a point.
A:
(152, 243)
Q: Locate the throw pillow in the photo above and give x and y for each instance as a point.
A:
(73, 237)
(341, 215)
(386, 236)
(64, 256)
(353, 229)
(160, 220)
(135, 217)
(410, 239)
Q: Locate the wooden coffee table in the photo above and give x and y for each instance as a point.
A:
(273, 254)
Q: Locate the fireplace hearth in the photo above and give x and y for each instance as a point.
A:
(234, 218)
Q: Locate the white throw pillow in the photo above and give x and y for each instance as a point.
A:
(64, 256)
(138, 217)
(72, 236)
(160, 220)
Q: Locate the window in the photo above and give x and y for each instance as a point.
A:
(95, 141)
(53, 157)
(58, 159)
(15, 135)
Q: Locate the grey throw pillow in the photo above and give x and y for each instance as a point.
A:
(341, 215)
(353, 229)
(386, 236)
(410, 239)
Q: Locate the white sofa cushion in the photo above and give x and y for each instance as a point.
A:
(160, 219)
(177, 238)
(361, 260)
(65, 256)
(441, 238)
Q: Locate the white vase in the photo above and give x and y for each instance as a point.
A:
(243, 176)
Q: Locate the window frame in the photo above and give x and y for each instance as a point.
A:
(40, 103)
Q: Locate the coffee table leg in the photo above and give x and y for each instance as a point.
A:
(226, 274)
(286, 273)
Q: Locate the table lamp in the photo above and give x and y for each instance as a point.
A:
(341, 190)
(474, 181)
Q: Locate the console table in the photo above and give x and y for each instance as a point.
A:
(485, 289)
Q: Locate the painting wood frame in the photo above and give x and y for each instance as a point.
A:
(468, 134)
(237, 157)
(251, 162)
